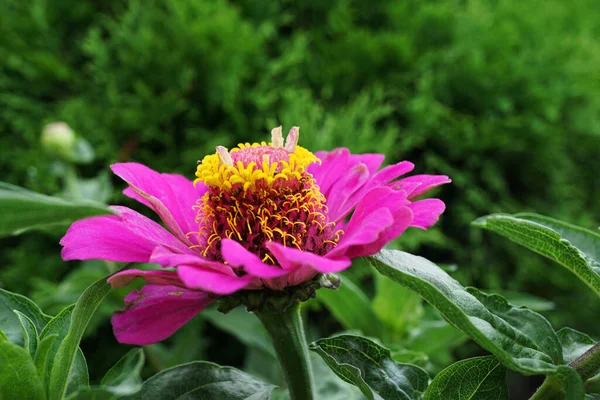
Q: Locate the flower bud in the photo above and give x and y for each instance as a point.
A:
(59, 139)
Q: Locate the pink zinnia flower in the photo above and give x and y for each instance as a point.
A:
(257, 216)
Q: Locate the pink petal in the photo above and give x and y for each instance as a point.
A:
(170, 196)
(426, 212)
(155, 277)
(156, 312)
(209, 280)
(105, 238)
(237, 256)
(292, 259)
(380, 216)
(168, 259)
(150, 230)
(418, 185)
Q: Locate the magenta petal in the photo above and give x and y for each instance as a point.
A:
(168, 259)
(170, 196)
(105, 238)
(150, 230)
(237, 256)
(292, 259)
(418, 185)
(156, 312)
(426, 212)
(124, 278)
(380, 216)
(212, 281)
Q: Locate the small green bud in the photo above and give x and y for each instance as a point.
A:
(59, 140)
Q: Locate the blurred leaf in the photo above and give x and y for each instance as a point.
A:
(530, 301)
(245, 326)
(77, 373)
(202, 380)
(19, 379)
(554, 239)
(479, 378)
(65, 359)
(22, 210)
(574, 343)
(487, 319)
(352, 308)
(82, 153)
(397, 307)
(370, 367)
(30, 335)
(9, 321)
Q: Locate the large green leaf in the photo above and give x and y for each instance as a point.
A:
(65, 360)
(487, 319)
(21, 210)
(479, 378)
(42, 357)
(370, 367)
(9, 321)
(574, 343)
(352, 308)
(18, 376)
(202, 380)
(575, 248)
(397, 307)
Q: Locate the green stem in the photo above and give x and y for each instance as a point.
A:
(587, 365)
(287, 334)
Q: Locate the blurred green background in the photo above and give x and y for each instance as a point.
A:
(501, 95)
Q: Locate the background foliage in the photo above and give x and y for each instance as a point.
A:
(502, 95)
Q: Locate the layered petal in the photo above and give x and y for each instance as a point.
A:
(155, 312)
(292, 259)
(237, 256)
(426, 212)
(171, 196)
(417, 185)
(105, 238)
(156, 277)
(380, 216)
(197, 273)
(209, 280)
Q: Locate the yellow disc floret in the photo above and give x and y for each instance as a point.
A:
(248, 164)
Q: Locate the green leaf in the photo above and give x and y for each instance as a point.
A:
(528, 322)
(370, 367)
(491, 328)
(65, 360)
(202, 380)
(352, 308)
(9, 321)
(574, 343)
(573, 247)
(122, 379)
(19, 379)
(479, 378)
(398, 308)
(570, 382)
(22, 210)
(78, 374)
(530, 301)
(42, 357)
(30, 335)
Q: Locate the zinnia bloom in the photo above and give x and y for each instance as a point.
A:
(258, 216)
